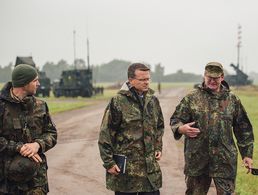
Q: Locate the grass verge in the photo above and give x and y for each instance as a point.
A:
(246, 184)
(62, 104)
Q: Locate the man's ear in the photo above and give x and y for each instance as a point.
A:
(130, 80)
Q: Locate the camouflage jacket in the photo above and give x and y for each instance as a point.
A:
(218, 116)
(134, 128)
(23, 122)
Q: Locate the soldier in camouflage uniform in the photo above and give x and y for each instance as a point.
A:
(26, 133)
(133, 125)
(208, 117)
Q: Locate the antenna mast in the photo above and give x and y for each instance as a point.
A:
(74, 49)
(88, 53)
(239, 37)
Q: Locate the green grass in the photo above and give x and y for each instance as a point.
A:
(62, 104)
(246, 184)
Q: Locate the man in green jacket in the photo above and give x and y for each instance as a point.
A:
(208, 117)
(133, 126)
(26, 133)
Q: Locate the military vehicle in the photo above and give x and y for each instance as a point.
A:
(45, 84)
(239, 79)
(74, 83)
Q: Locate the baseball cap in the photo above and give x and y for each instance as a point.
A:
(214, 69)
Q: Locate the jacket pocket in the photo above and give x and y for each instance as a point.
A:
(152, 165)
(37, 125)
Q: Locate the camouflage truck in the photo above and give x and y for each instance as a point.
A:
(239, 79)
(45, 84)
(74, 83)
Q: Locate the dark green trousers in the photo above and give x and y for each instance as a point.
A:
(138, 193)
(200, 185)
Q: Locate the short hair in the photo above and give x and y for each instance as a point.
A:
(136, 66)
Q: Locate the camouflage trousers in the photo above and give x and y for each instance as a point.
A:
(200, 185)
(34, 191)
(138, 193)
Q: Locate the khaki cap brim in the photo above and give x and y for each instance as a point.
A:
(213, 74)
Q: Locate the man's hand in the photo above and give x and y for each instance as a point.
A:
(29, 149)
(188, 130)
(248, 163)
(114, 170)
(158, 155)
(36, 158)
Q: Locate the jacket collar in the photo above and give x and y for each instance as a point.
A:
(6, 95)
(127, 89)
(223, 91)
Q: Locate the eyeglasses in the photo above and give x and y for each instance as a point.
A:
(213, 78)
(143, 80)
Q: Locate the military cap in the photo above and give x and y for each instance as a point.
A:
(22, 169)
(23, 74)
(214, 69)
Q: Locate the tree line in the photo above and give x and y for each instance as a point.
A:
(5, 73)
(113, 71)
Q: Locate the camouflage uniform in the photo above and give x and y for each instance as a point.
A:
(23, 122)
(218, 115)
(133, 127)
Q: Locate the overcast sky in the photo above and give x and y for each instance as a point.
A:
(179, 34)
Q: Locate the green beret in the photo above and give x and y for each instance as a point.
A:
(214, 69)
(23, 74)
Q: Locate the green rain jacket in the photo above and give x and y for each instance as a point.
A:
(218, 116)
(132, 127)
(23, 122)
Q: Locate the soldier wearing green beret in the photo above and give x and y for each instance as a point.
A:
(208, 117)
(26, 133)
(132, 128)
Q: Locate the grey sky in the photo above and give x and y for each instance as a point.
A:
(180, 34)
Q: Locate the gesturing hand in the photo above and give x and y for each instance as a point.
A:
(188, 130)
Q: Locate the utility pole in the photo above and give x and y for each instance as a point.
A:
(239, 37)
(88, 53)
(74, 49)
